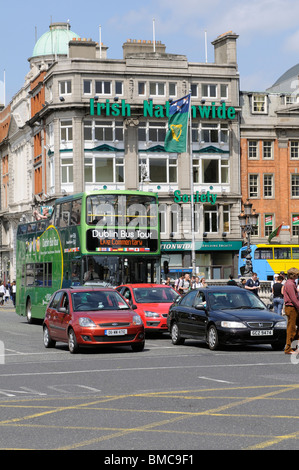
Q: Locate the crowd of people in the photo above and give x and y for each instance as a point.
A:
(7, 292)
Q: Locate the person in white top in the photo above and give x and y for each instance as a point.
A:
(2, 292)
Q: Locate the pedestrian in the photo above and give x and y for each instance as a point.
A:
(185, 284)
(231, 281)
(291, 299)
(178, 281)
(274, 280)
(242, 282)
(196, 283)
(277, 291)
(2, 292)
(253, 284)
(283, 274)
(13, 292)
(203, 282)
(6, 294)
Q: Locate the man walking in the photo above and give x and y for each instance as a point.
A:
(253, 284)
(291, 300)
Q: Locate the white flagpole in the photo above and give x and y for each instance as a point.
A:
(4, 89)
(154, 35)
(100, 40)
(193, 254)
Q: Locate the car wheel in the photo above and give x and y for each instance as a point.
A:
(29, 312)
(176, 335)
(137, 347)
(212, 338)
(72, 342)
(48, 341)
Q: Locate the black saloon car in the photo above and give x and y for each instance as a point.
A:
(225, 315)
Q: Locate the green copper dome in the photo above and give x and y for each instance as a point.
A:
(54, 41)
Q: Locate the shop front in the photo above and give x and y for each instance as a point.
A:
(214, 259)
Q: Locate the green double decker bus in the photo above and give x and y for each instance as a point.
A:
(102, 238)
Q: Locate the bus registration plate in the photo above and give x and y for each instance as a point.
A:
(116, 332)
(261, 333)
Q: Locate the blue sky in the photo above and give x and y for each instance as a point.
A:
(268, 32)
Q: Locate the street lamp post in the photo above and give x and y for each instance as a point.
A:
(248, 221)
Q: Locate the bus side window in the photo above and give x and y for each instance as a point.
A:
(76, 212)
(57, 214)
(65, 214)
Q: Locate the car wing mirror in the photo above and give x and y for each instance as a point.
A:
(200, 307)
(62, 310)
(133, 307)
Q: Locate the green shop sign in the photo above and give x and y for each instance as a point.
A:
(201, 246)
(197, 197)
(159, 110)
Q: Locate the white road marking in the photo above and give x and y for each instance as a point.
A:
(216, 380)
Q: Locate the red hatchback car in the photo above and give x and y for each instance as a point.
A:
(91, 316)
(151, 302)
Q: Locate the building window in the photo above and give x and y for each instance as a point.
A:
(158, 169)
(172, 89)
(253, 186)
(119, 88)
(295, 185)
(103, 169)
(103, 131)
(152, 131)
(294, 149)
(210, 133)
(141, 88)
(175, 212)
(223, 91)
(102, 87)
(268, 185)
(67, 170)
(65, 87)
(213, 170)
(157, 88)
(268, 227)
(253, 149)
(259, 104)
(87, 87)
(295, 224)
(66, 130)
(210, 219)
(226, 218)
(194, 90)
(209, 91)
(267, 149)
(163, 217)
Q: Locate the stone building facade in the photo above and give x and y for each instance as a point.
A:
(83, 122)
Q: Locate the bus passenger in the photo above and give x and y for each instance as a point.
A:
(90, 275)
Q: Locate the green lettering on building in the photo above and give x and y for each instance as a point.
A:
(160, 111)
(197, 197)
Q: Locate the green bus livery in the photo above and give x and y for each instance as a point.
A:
(102, 238)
